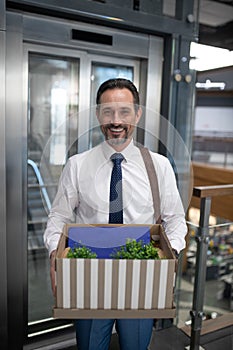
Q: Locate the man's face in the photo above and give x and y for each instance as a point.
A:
(117, 117)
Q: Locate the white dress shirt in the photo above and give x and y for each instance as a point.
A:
(83, 194)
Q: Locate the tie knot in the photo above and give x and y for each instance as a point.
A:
(117, 158)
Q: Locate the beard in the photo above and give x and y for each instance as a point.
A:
(116, 139)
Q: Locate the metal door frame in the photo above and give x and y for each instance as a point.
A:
(23, 36)
(85, 60)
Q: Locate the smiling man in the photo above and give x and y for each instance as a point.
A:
(85, 196)
(118, 113)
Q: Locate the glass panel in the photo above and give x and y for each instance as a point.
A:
(219, 270)
(100, 73)
(52, 127)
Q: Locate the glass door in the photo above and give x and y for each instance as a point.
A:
(101, 72)
(53, 84)
(60, 88)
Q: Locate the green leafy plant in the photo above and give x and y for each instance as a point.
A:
(136, 250)
(81, 252)
(131, 250)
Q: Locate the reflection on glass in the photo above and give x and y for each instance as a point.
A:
(219, 269)
(100, 73)
(53, 100)
(58, 117)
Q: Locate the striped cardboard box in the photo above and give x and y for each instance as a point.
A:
(108, 288)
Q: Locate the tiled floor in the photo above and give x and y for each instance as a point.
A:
(173, 338)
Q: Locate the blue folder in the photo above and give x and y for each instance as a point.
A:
(105, 240)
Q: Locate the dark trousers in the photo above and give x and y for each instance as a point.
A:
(134, 334)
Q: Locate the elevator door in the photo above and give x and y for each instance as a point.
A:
(61, 93)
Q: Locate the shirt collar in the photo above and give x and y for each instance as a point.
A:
(127, 152)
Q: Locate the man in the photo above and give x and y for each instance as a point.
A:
(84, 197)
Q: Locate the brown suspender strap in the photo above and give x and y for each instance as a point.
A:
(153, 182)
(154, 188)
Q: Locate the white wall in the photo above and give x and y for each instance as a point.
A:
(217, 119)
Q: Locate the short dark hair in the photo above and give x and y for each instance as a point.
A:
(118, 83)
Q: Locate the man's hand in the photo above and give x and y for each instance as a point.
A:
(175, 253)
(52, 271)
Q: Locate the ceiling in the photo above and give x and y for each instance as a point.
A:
(215, 21)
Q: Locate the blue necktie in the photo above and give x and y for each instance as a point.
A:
(116, 202)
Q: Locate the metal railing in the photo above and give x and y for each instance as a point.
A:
(41, 183)
(205, 193)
